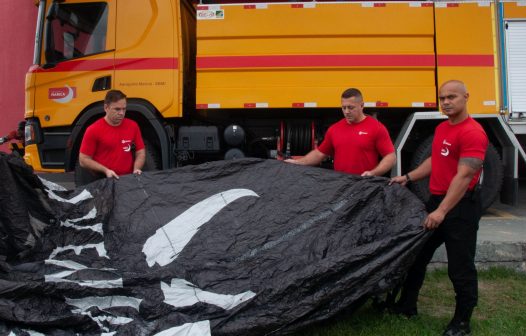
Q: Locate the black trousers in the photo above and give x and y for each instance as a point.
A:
(459, 233)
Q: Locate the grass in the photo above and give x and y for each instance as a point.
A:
(501, 310)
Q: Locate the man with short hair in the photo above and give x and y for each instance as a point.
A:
(356, 142)
(455, 165)
(107, 146)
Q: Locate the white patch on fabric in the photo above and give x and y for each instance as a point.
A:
(91, 215)
(84, 195)
(66, 264)
(182, 293)
(168, 241)
(104, 302)
(201, 328)
(51, 185)
(101, 250)
(59, 277)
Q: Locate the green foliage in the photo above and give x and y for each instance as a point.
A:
(501, 310)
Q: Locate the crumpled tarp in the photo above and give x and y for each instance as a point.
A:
(245, 247)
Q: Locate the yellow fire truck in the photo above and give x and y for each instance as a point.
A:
(214, 81)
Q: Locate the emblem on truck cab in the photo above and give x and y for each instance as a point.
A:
(62, 95)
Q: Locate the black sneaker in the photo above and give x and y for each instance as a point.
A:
(457, 329)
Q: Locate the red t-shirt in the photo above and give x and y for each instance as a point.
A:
(452, 142)
(111, 145)
(356, 147)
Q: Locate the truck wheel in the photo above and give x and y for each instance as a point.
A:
(153, 161)
(492, 173)
(492, 178)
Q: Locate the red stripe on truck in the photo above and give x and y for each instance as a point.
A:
(218, 62)
(110, 64)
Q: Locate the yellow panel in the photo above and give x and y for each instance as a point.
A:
(512, 10)
(147, 34)
(465, 29)
(53, 113)
(32, 158)
(280, 55)
(466, 45)
(481, 86)
(322, 20)
(398, 88)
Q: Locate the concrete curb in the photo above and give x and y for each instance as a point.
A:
(490, 254)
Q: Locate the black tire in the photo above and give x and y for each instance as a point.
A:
(153, 160)
(493, 171)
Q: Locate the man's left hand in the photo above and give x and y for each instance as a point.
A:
(367, 173)
(137, 172)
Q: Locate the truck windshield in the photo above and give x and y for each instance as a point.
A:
(75, 30)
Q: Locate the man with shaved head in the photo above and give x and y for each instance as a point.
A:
(455, 165)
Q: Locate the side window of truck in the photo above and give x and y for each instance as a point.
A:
(75, 30)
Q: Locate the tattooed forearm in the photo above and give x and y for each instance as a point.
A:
(473, 163)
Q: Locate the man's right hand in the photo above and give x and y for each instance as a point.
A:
(110, 173)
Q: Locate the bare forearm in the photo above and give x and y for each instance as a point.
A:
(140, 158)
(422, 171)
(384, 165)
(313, 158)
(88, 163)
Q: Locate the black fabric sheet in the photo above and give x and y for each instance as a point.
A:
(245, 247)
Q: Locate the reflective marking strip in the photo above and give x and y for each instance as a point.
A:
(441, 5)
(303, 5)
(376, 104)
(521, 3)
(210, 7)
(306, 104)
(453, 5)
(420, 4)
(207, 106)
(489, 103)
(368, 4)
(423, 104)
(483, 3)
(255, 105)
(380, 4)
(249, 7)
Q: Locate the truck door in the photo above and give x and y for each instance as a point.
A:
(77, 67)
(516, 66)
